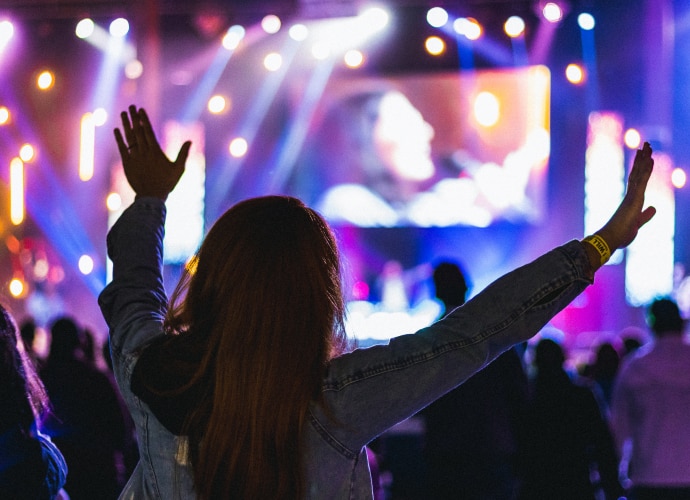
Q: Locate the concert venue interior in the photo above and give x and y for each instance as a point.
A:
(527, 116)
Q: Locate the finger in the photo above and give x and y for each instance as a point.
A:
(138, 133)
(121, 146)
(646, 215)
(183, 154)
(127, 127)
(149, 135)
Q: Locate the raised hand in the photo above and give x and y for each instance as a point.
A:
(148, 170)
(623, 226)
(630, 216)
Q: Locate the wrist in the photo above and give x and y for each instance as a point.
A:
(600, 245)
(597, 249)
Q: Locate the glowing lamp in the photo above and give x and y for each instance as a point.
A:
(632, 138)
(85, 28)
(238, 147)
(353, 58)
(271, 24)
(437, 17)
(434, 45)
(45, 80)
(514, 26)
(119, 27)
(586, 21)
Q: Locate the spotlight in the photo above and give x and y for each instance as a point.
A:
(298, 32)
(273, 61)
(100, 116)
(437, 17)
(27, 153)
(4, 115)
(469, 27)
(678, 178)
(45, 80)
(553, 12)
(238, 147)
(16, 287)
(85, 264)
(575, 73)
(434, 45)
(514, 26)
(233, 37)
(487, 109)
(113, 202)
(271, 24)
(586, 21)
(134, 69)
(119, 27)
(632, 138)
(217, 104)
(6, 32)
(374, 18)
(85, 28)
(353, 58)
(16, 191)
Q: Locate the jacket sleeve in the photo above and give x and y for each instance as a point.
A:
(370, 390)
(134, 302)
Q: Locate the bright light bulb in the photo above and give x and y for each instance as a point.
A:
(134, 69)
(216, 104)
(271, 24)
(113, 202)
(353, 58)
(85, 28)
(233, 37)
(119, 27)
(632, 138)
(238, 147)
(45, 80)
(586, 21)
(85, 264)
(298, 32)
(437, 17)
(574, 73)
(100, 117)
(16, 287)
(26, 152)
(514, 26)
(678, 178)
(273, 61)
(434, 45)
(552, 12)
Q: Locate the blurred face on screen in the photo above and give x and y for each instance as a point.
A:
(402, 138)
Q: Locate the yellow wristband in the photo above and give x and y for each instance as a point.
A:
(601, 246)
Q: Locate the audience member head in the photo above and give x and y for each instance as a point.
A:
(65, 339)
(22, 396)
(450, 284)
(606, 361)
(664, 318)
(548, 356)
(631, 344)
(263, 301)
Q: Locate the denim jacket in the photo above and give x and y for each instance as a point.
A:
(366, 390)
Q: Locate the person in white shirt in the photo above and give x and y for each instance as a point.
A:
(650, 408)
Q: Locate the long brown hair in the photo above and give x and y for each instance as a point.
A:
(262, 301)
(23, 399)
